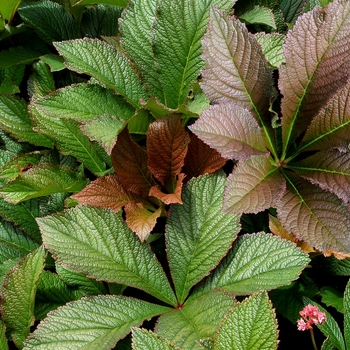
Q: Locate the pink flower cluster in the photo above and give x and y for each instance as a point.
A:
(310, 315)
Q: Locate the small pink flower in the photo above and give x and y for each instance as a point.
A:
(311, 315)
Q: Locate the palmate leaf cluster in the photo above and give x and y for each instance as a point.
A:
(117, 120)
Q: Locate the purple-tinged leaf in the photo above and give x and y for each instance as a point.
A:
(253, 186)
(320, 218)
(236, 69)
(331, 127)
(231, 130)
(329, 170)
(317, 65)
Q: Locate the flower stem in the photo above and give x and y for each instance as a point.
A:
(313, 338)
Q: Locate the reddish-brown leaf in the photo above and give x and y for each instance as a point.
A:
(140, 219)
(130, 164)
(167, 144)
(277, 229)
(232, 130)
(253, 186)
(318, 217)
(105, 192)
(201, 159)
(169, 198)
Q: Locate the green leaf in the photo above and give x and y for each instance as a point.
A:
(91, 323)
(9, 8)
(55, 62)
(5, 268)
(51, 293)
(198, 319)
(84, 102)
(330, 327)
(98, 243)
(15, 119)
(69, 139)
(42, 180)
(143, 339)
(18, 293)
(314, 57)
(178, 50)
(346, 303)
(103, 62)
(332, 297)
(14, 242)
(251, 325)
(271, 44)
(315, 216)
(18, 55)
(49, 20)
(194, 245)
(41, 82)
(292, 9)
(86, 286)
(328, 345)
(254, 186)
(120, 3)
(256, 262)
(231, 130)
(3, 339)
(259, 15)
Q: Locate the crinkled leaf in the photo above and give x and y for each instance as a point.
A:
(143, 339)
(236, 69)
(271, 44)
(178, 51)
(315, 216)
(331, 127)
(292, 9)
(167, 144)
(136, 27)
(104, 130)
(91, 323)
(277, 229)
(317, 65)
(51, 293)
(330, 328)
(346, 303)
(55, 62)
(14, 118)
(254, 186)
(331, 296)
(106, 192)
(103, 62)
(130, 164)
(69, 139)
(251, 325)
(84, 102)
(3, 338)
(24, 161)
(256, 262)
(194, 244)
(140, 219)
(41, 81)
(86, 286)
(42, 180)
(50, 21)
(98, 243)
(201, 159)
(231, 130)
(18, 55)
(14, 242)
(195, 320)
(329, 170)
(327, 344)
(259, 15)
(18, 293)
